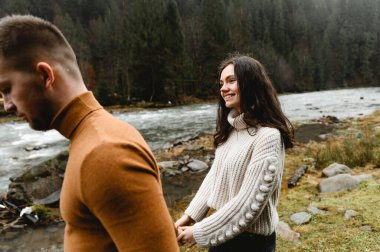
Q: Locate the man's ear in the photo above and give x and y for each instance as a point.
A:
(46, 72)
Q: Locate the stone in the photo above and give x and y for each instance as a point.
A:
(168, 164)
(184, 140)
(284, 231)
(359, 135)
(324, 136)
(184, 169)
(196, 165)
(335, 169)
(167, 146)
(366, 228)
(50, 199)
(194, 148)
(338, 183)
(300, 218)
(34, 147)
(39, 181)
(170, 173)
(315, 210)
(350, 213)
(332, 119)
(363, 177)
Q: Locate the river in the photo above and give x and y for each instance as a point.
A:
(21, 146)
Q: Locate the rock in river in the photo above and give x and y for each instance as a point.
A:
(40, 183)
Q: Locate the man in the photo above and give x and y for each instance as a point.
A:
(111, 195)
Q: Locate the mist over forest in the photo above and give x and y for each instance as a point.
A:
(161, 50)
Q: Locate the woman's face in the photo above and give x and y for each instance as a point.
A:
(229, 88)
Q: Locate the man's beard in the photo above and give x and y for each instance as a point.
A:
(45, 115)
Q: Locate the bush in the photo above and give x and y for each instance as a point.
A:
(351, 151)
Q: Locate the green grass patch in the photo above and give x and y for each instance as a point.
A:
(331, 232)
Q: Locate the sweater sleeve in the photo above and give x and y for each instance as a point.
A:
(261, 178)
(120, 186)
(198, 206)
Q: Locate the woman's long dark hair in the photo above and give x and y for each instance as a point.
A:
(258, 101)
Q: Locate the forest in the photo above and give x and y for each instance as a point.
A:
(165, 50)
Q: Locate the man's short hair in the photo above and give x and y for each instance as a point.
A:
(25, 40)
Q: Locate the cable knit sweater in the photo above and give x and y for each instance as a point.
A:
(242, 185)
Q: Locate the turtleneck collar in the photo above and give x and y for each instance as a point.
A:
(69, 117)
(237, 120)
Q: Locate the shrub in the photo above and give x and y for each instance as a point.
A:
(351, 151)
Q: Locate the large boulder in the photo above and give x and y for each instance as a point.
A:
(335, 169)
(39, 184)
(342, 182)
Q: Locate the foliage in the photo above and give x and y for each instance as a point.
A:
(159, 50)
(353, 151)
(47, 215)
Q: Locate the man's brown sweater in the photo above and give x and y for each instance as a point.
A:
(111, 197)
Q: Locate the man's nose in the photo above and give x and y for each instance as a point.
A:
(8, 105)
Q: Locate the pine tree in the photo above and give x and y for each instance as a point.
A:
(215, 44)
(156, 40)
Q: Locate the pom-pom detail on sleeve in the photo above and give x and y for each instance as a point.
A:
(268, 178)
(264, 189)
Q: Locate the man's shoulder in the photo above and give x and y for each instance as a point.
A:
(110, 128)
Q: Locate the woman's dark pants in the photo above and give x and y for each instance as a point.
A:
(248, 242)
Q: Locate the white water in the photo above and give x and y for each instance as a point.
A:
(170, 124)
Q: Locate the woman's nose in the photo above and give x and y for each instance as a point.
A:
(223, 88)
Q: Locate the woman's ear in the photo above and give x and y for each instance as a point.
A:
(46, 72)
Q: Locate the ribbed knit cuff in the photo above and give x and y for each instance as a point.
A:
(199, 237)
(196, 214)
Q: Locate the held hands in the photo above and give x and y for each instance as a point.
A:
(186, 236)
(185, 232)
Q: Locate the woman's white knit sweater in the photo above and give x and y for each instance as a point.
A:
(243, 185)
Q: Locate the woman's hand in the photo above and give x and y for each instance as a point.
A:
(186, 235)
(185, 220)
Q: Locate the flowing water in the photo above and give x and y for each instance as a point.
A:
(20, 146)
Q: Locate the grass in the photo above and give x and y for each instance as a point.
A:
(47, 215)
(330, 232)
(352, 150)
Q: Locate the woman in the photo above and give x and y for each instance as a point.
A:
(243, 184)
